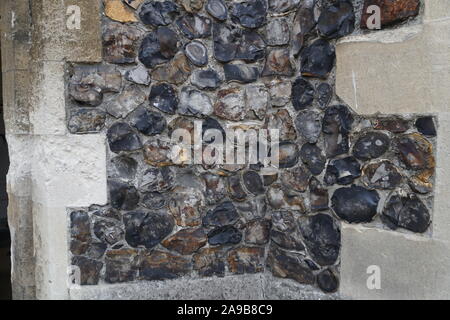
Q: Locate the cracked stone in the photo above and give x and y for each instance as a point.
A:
(381, 175)
(186, 205)
(302, 94)
(160, 265)
(217, 9)
(120, 43)
(342, 171)
(371, 145)
(313, 158)
(108, 231)
(157, 13)
(282, 121)
(121, 265)
(336, 20)
(194, 26)
(426, 126)
(122, 195)
(224, 235)
(280, 92)
(318, 196)
(415, 151)
(209, 262)
(230, 104)
(89, 270)
(246, 260)
(288, 154)
(186, 241)
(157, 152)
(235, 188)
(250, 14)
(241, 73)
(176, 71)
(164, 97)
(153, 200)
(327, 281)
(206, 79)
(158, 47)
(138, 75)
(278, 63)
(256, 100)
(317, 60)
(277, 32)
(309, 125)
(296, 178)
(86, 120)
(355, 204)
(337, 123)
(392, 12)
(156, 180)
(393, 125)
(121, 137)
(257, 231)
(130, 98)
(148, 122)
(223, 214)
(197, 53)
(324, 94)
(194, 103)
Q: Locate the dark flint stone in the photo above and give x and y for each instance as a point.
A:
(160, 265)
(215, 188)
(342, 171)
(285, 231)
(288, 153)
(312, 265)
(194, 26)
(246, 260)
(327, 281)
(415, 151)
(148, 122)
(296, 178)
(318, 196)
(337, 20)
(278, 63)
(209, 262)
(304, 23)
(121, 265)
(282, 6)
(355, 204)
(153, 200)
(302, 94)
(322, 238)
(426, 126)
(211, 124)
(96, 250)
(257, 231)
(230, 104)
(144, 228)
(313, 158)
(309, 125)
(371, 145)
(108, 231)
(186, 204)
(277, 32)
(194, 103)
(324, 94)
(186, 241)
(122, 196)
(235, 188)
(337, 123)
(317, 60)
(157, 180)
(406, 211)
(394, 125)
(240, 73)
(119, 43)
(157, 13)
(224, 235)
(176, 71)
(105, 212)
(121, 137)
(89, 270)
(217, 9)
(206, 79)
(391, 11)
(222, 215)
(164, 97)
(252, 209)
(197, 53)
(268, 179)
(381, 175)
(250, 14)
(124, 167)
(158, 47)
(422, 182)
(80, 230)
(253, 182)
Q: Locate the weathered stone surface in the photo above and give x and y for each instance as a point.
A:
(381, 175)
(281, 6)
(157, 152)
(224, 235)
(223, 214)
(206, 79)
(160, 265)
(296, 178)
(235, 188)
(186, 206)
(422, 181)
(138, 75)
(217, 9)
(215, 188)
(317, 60)
(156, 180)
(108, 231)
(289, 265)
(164, 97)
(337, 123)
(322, 238)
(197, 53)
(253, 182)
(250, 14)
(209, 262)
(86, 120)
(256, 100)
(415, 151)
(121, 265)
(371, 145)
(230, 104)
(302, 94)
(147, 121)
(318, 196)
(278, 63)
(80, 230)
(257, 232)
(336, 20)
(158, 47)
(89, 270)
(122, 195)
(324, 94)
(186, 241)
(194, 103)
(288, 153)
(355, 204)
(246, 260)
(309, 125)
(192, 5)
(252, 209)
(304, 23)
(176, 71)
(313, 158)
(194, 26)
(118, 11)
(120, 43)
(342, 171)
(282, 121)
(394, 125)
(426, 126)
(280, 92)
(391, 11)
(241, 73)
(105, 212)
(406, 211)
(285, 231)
(158, 13)
(146, 228)
(96, 250)
(153, 200)
(327, 281)
(277, 32)
(128, 100)
(284, 198)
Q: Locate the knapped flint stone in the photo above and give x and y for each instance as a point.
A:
(318, 196)
(108, 231)
(215, 188)
(176, 71)
(257, 231)
(224, 235)
(250, 13)
(217, 9)
(304, 23)
(324, 94)
(138, 75)
(327, 281)
(296, 178)
(422, 181)
(313, 158)
(192, 5)
(146, 228)
(119, 43)
(158, 13)
(278, 63)
(289, 265)
(89, 270)
(426, 126)
(105, 212)
(415, 151)
(209, 262)
(223, 214)
(134, 3)
(130, 98)
(337, 123)
(285, 232)
(391, 11)
(122, 195)
(235, 188)
(158, 47)
(282, 121)
(241, 73)
(309, 125)
(230, 104)
(284, 198)
(86, 120)
(256, 100)
(284, 221)
(302, 94)
(394, 125)
(156, 180)
(157, 152)
(211, 124)
(277, 32)
(282, 6)
(406, 211)
(197, 53)
(288, 153)
(194, 103)
(253, 182)
(153, 200)
(337, 20)
(186, 205)
(80, 231)
(317, 60)
(206, 79)
(342, 171)
(371, 145)
(160, 265)
(322, 238)
(246, 260)
(252, 209)
(121, 265)
(186, 241)
(96, 250)
(164, 97)
(355, 204)
(280, 92)
(147, 121)
(381, 175)
(194, 26)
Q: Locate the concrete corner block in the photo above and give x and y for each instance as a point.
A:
(436, 10)
(411, 267)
